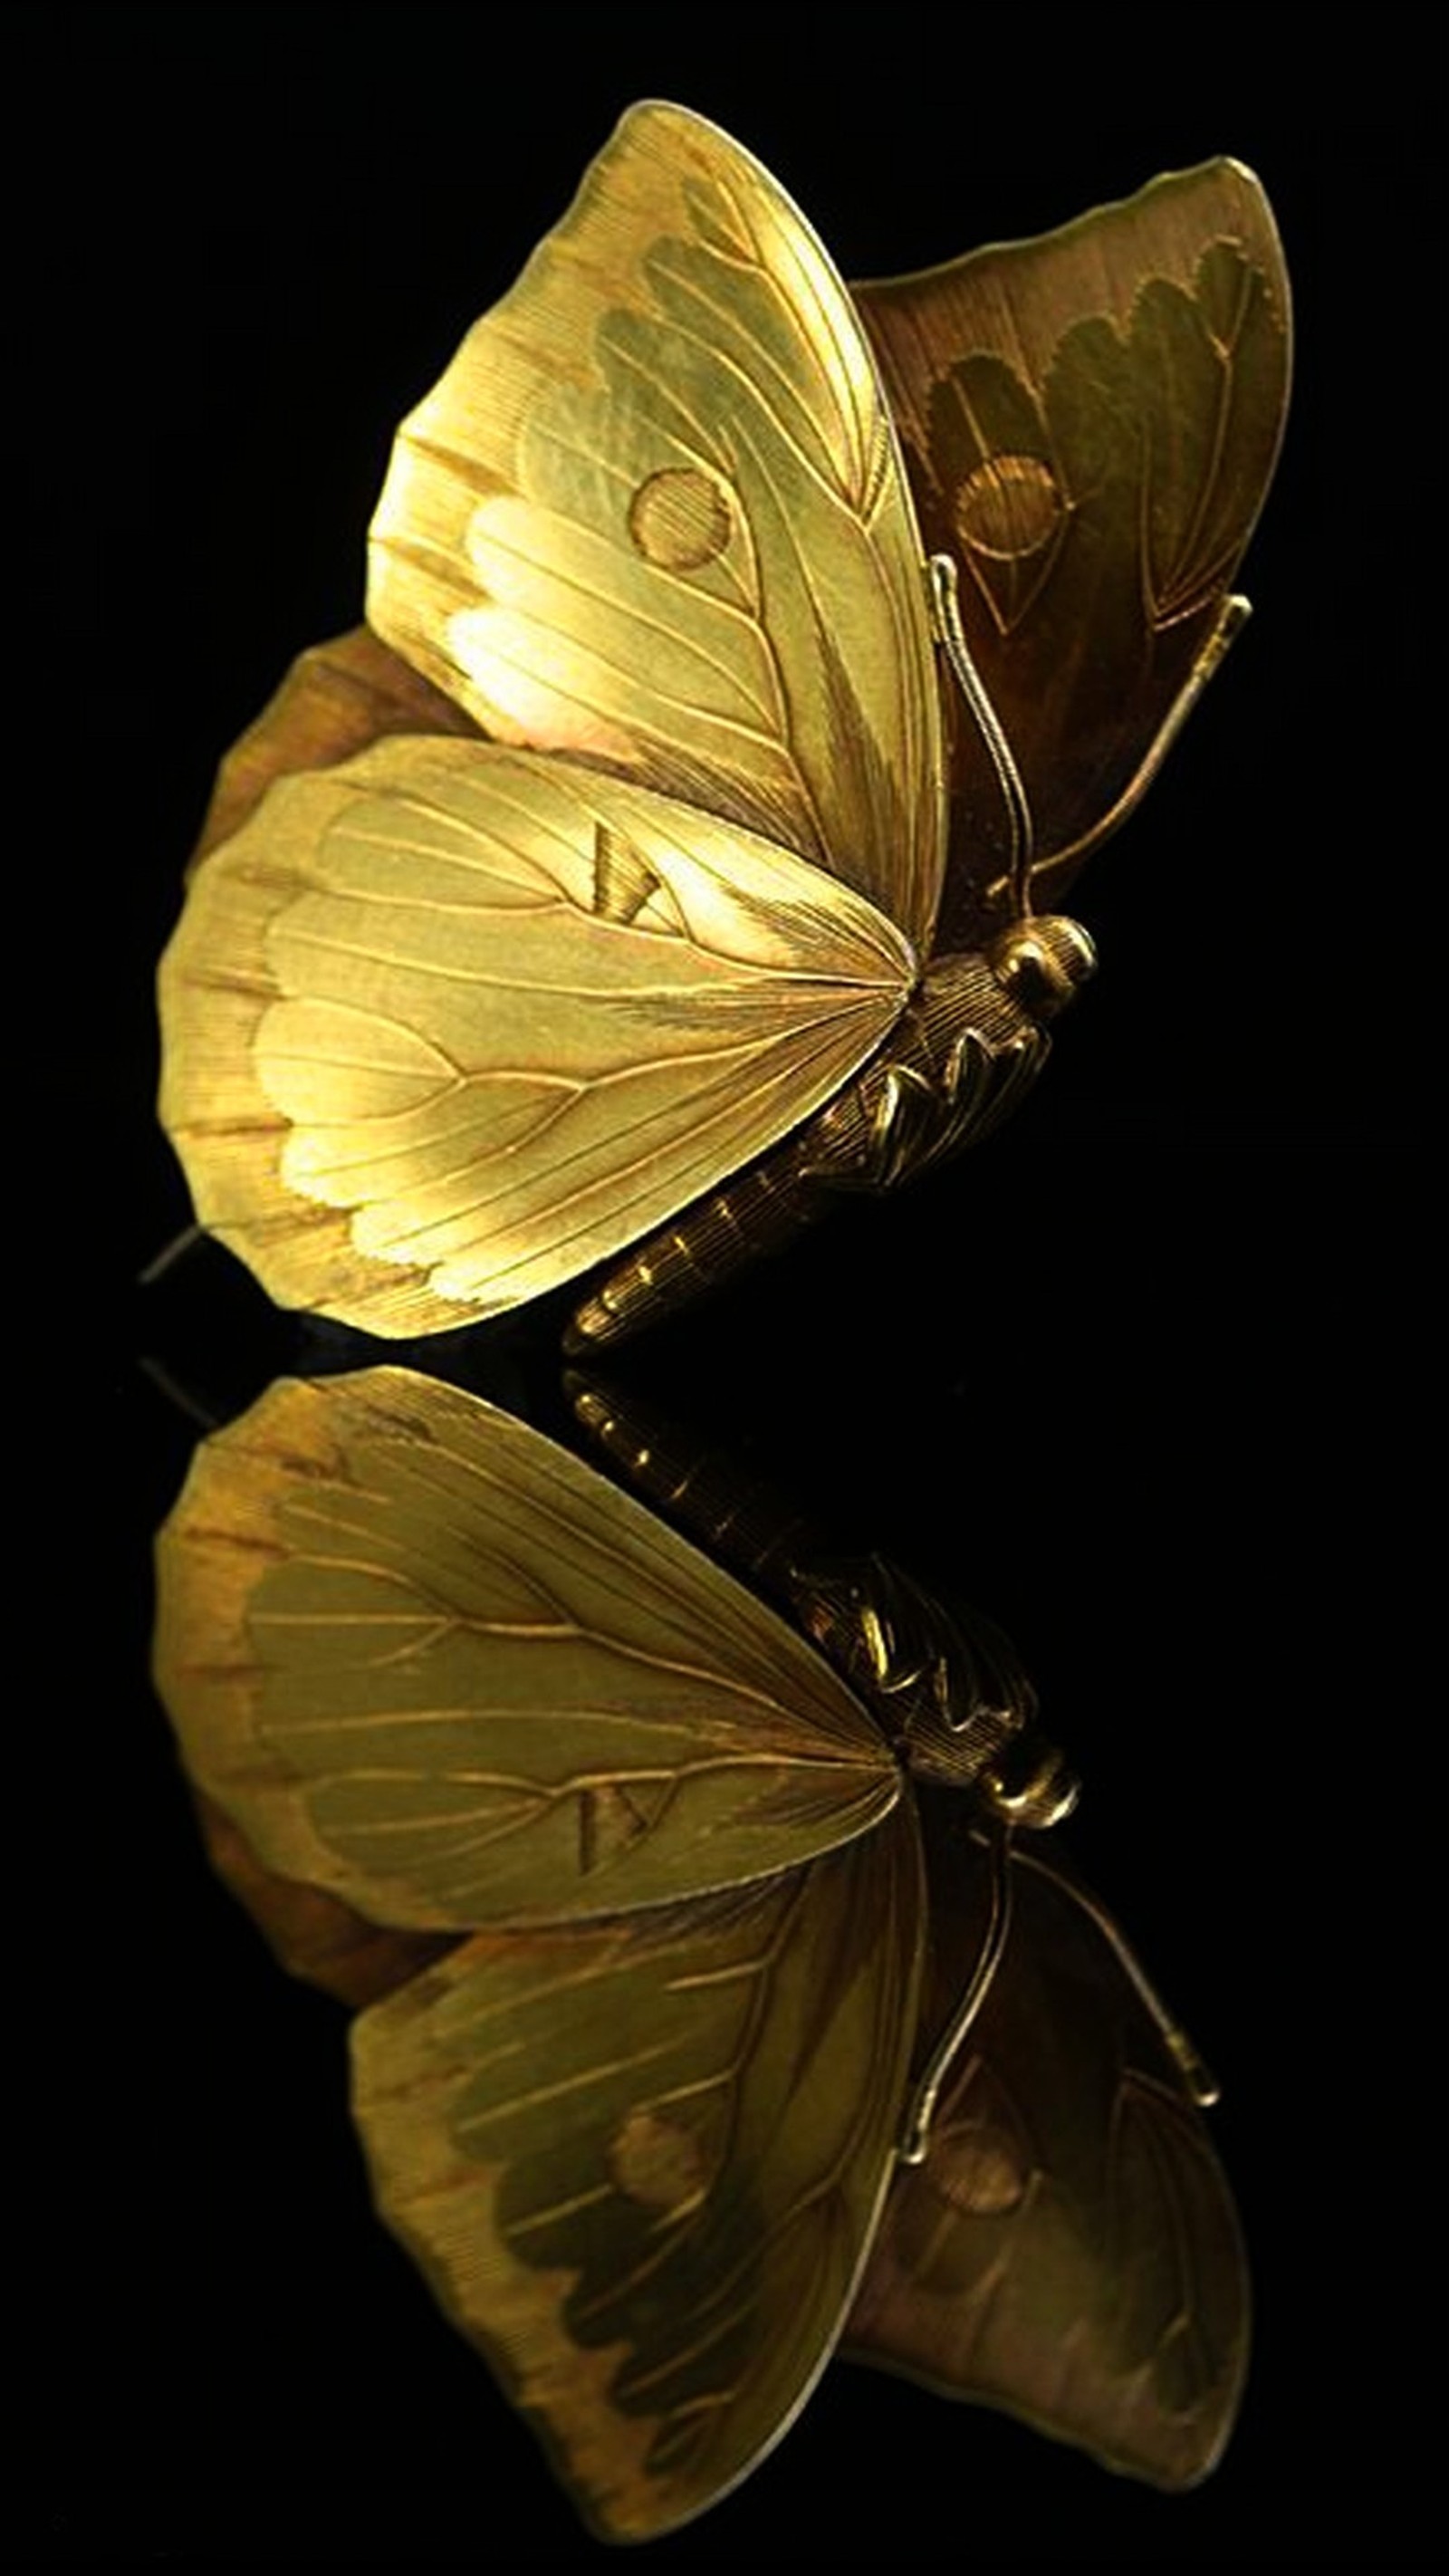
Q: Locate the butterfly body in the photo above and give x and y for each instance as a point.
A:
(799, 648)
(960, 1057)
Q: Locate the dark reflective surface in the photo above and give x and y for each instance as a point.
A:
(427, 1672)
(1155, 1361)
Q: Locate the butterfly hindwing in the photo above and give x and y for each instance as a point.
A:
(429, 1664)
(449, 1024)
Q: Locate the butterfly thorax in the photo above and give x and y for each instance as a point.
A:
(945, 1686)
(971, 1040)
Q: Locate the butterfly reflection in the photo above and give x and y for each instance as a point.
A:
(710, 2017)
(748, 670)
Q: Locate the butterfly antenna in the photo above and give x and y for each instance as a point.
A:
(921, 2109)
(1232, 618)
(169, 1254)
(941, 577)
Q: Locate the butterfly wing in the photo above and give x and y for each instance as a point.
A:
(1090, 422)
(1069, 2250)
(448, 1024)
(431, 1665)
(311, 1933)
(655, 516)
(640, 2161)
(337, 699)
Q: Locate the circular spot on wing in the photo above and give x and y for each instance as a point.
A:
(977, 2168)
(657, 2161)
(680, 519)
(1009, 507)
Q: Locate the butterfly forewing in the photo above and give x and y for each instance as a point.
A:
(1090, 422)
(655, 516)
(1069, 2250)
(641, 2162)
(448, 1024)
(430, 1664)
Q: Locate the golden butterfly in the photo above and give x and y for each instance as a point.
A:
(705, 2024)
(800, 591)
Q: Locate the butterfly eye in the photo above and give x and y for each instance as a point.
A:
(1032, 1786)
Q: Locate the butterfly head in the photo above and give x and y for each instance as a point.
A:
(1042, 962)
(1034, 1786)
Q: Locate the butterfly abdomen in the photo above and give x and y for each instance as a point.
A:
(958, 1060)
(945, 1686)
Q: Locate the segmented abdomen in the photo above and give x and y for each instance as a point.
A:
(959, 1059)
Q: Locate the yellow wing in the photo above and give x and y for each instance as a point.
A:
(655, 515)
(431, 1664)
(449, 1024)
(336, 700)
(641, 2161)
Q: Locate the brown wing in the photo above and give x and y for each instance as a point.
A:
(1091, 422)
(1069, 2250)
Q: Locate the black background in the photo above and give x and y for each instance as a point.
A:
(1147, 1378)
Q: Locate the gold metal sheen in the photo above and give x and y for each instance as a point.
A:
(738, 881)
(708, 2012)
